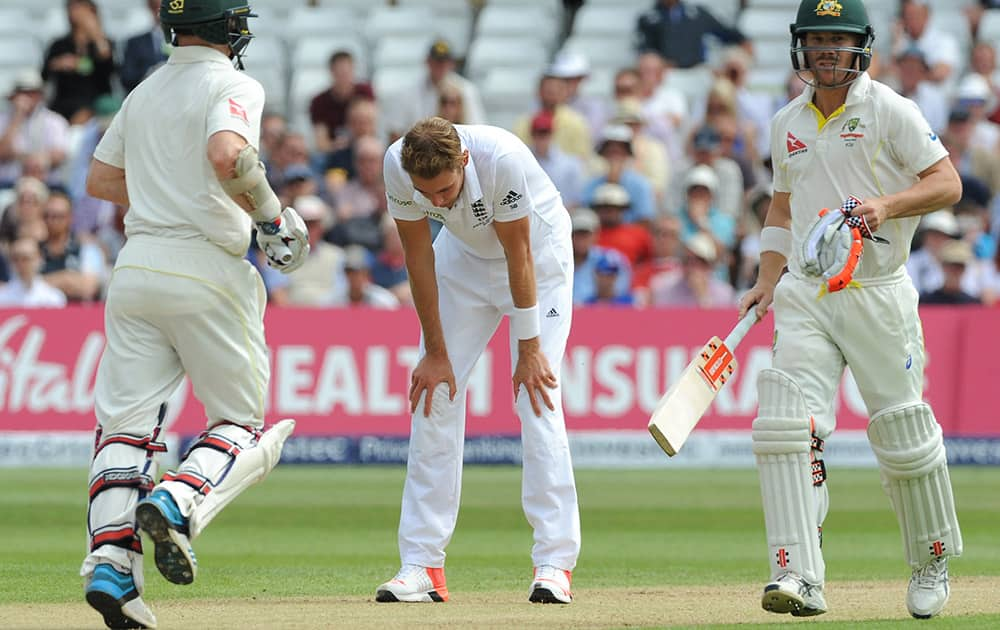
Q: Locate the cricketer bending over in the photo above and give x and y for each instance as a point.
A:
(181, 154)
(505, 250)
(848, 135)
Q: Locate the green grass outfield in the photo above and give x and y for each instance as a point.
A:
(331, 531)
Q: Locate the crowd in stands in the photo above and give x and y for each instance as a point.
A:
(667, 193)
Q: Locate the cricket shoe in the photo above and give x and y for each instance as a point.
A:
(928, 590)
(790, 593)
(161, 519)
(551, 585)
(414, 583)
(114, 595)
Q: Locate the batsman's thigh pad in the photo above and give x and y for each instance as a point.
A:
(782, 445)
(910, 450)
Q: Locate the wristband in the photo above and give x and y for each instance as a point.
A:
(524, 323)
(776, 239)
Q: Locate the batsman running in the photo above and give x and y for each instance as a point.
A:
(505, 250)
(182, 156)
(845, 136)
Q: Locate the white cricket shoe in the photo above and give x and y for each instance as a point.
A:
(551, 585)
(928, 590)
(414, 583)
(790, 593)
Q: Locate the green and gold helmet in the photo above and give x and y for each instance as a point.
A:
(215, 21)
(833, 16)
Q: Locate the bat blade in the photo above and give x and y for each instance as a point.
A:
(687, 400)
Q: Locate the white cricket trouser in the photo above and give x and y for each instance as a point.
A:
(875, 330)
(474, 294)
(174, 307)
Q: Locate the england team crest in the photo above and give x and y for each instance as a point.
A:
(828, 7)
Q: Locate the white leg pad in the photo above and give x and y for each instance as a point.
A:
(910, 451)
(792, 505)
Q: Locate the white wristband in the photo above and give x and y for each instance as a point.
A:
(524, 323)
(776, 239)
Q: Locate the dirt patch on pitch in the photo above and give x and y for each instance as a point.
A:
(593, 608)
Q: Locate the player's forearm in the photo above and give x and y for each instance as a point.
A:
(772, 264)
(521, 272)
(423, 286)
(107, 182)
(939, 187)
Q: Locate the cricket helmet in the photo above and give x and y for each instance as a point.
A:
(832, 16)
(215, 21)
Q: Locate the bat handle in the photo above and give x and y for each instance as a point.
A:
(741, 329)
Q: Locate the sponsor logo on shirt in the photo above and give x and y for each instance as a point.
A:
(794, 145)
(511, 199)
(480, 213)
(237, 111)
(437, 216)
(849, 131)
(398, 201)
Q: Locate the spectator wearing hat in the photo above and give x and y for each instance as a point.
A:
(676, 29)
(320, 279)
(360, 290)
(706, 150)
(27, 288)
(700, 214)
(570, 131)
(954, 257)
(970, 159)
(913, 82)
(650, 153)
(566, 171)
(27, 127)
(665, 261)
(297, 180)
(328, 109)
(975, 96)
(696, 285)
(586, 253)
(144, 52)
(80, 64)
(423, 98)
(607, 271)
(611, 202)
(573, 67)
(616, 152)
(936, 230)
(940, 48)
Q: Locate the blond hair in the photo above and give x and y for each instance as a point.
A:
(431, 147)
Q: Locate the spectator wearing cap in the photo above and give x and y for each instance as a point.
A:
(319, 280)
(607, 271)
(676, 29)
(422, 98)
(27, 288)
(362, 121)
(566, 171)
(706, 150)
(913, 82)
(696, 285)
(940, 48)
(360, 290)
(80, 64)
(615, 150)
(586, 253)
(328, 109)
(968, 158)
(297, 180)
(611, 202)
(570, 131)
(955, 257)
(74, 266)
(665, 261)
(700, 214)
(650, 153)
(27, 127)
(936, 230)
(975, 96)
(573, 67)
(143, 52)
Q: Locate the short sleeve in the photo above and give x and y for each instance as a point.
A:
(238, 108)
(398, 192)
(512, 199)
(911, 140)
(111, 148)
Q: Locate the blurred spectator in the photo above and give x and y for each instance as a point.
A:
(990, 280)
(676, 29)
(974, 12)
(362, 121)
(111, 236)
(721, 106)
(74, 267)
(616, 151)
(298, 181)
(706, 150)
(744, 272)
(913, 74)
(607, 271)
(665, 108)
(389, 266)
(89, 213)
(290, 150)
(650, 153)
(972, 212)
(754, 108)
(328, 109)
(80, 63)
(794, 87)
(24, 216)
(422, 98)
(954, 257)
(451, 107)
(666, 259)
(273, 127)
(702, 216)
(732, 145)
(968, 158)
(611, 202)
(566, 171)
(696, 285)
(974, 95)
(570, 130)
(319, 280)
(27, 289)
(29, 127)
(574, 68)
(144, 52)
(940, 48)
(363, 196)
(936, 230)
(983, 61)
(586, 253)
(360, 290)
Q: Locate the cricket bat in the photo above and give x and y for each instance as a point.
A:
(680, 409)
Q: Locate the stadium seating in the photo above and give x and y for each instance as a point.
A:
(510, 52)
(496, 21)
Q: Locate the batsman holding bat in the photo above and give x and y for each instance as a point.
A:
(848, 135)
(505, 250)
(181, 154)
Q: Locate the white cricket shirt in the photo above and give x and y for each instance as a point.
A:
(503, 182)
(874, 145)
(160, 138)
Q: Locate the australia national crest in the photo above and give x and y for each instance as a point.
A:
(829, 7)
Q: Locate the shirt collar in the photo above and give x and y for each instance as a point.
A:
(196, 54)
(855, 94)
